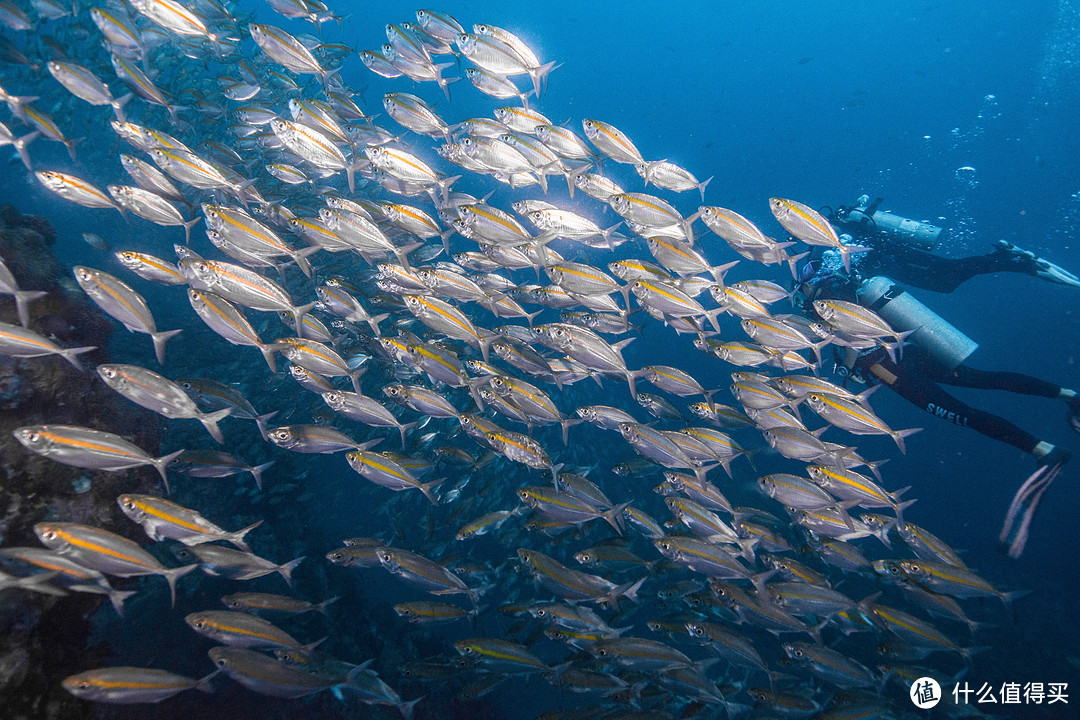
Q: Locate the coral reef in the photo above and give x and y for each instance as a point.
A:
(49, 390)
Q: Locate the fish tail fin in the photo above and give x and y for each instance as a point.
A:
(210, 422)
(373, 323)
(793, 263)
(899, 508)
(162, 463)
(572, 176)
(651, 165)
(688, 226)
(485, 345)
(444, 186)
(566, 424)
(404, 429)
(268, 350)
(406, 708)
(714, 317)
(298, 314)
(117, 598)
(70, 145)
(237, 538)
(21, 145)
(71, 354)
(882, 533)
(118, 106)
(300, 258)
(174, 574)
(160, 338)
(286, 570)
(614, 518)
(442, 82)
(204, 684)
(187, 228)
(22, 300)
(899, 435)
(846, 251)
(428, 490)
(310, 647)
(257, 471)
(539, 75)
(747, 546)
(628, 591)
(842, 511)
(402, 253)
(350, 173)
(1007, 598)
(900, 338)
(701, 187)
(321, 607)
(355, 376)
(261, 421)
(555, 474)
(719, 271)
(607, 233)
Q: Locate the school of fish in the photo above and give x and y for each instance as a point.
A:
(339, 242)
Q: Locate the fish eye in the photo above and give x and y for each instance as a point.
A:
(797, 653)
(200, 624)
(541, 613)
(221, 662)
(699, 631)
(129, 504)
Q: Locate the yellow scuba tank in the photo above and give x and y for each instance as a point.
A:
(940, 339)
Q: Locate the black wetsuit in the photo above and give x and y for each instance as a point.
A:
(921, 269)
(917, 376)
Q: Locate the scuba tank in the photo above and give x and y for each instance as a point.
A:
(895, 305)
(870, 220)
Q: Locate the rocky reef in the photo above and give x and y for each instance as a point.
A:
(42, 638)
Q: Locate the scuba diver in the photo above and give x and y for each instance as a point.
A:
(900, 249)
(899, 255)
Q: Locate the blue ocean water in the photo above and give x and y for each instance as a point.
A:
(960, 115)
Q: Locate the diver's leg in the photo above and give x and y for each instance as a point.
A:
(964, 376)
(914, 382)
(927, 271)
